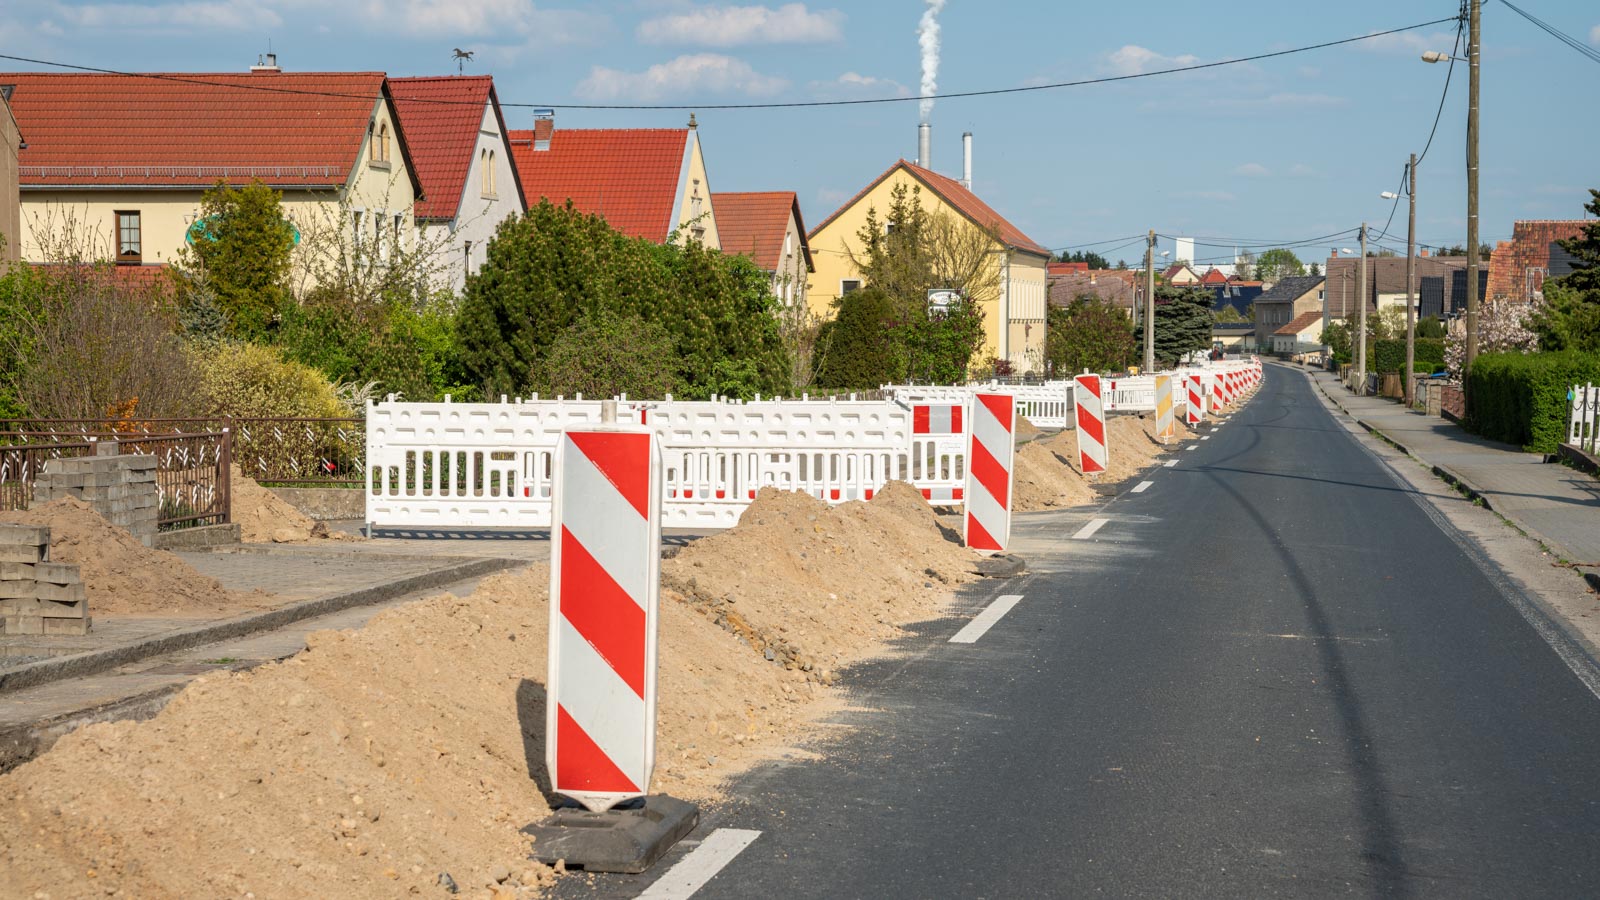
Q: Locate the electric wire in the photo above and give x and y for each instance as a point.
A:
(1590, 53)
(864, 101)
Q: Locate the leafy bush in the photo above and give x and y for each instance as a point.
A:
(856, 352)
(1090, 334)
(246, 380)
(242, 243)
(604, 355)
(81, 341)
(1521, 398)
(406, 350)
(1389, 356)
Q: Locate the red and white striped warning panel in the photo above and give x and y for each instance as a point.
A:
(989, 467)
(1091, 424)
(1195, 410)
(1217, 398)
(604, 592)
(936, 418)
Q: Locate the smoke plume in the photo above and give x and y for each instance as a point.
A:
(928, 40)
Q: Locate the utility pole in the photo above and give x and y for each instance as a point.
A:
(1473, 48)
(1361, 317)
(1411, 283)
(1150, 302)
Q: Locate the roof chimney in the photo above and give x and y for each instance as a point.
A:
(1424, 252)
(266, 62)
(966, 160)
(925, 145)
(544, 127)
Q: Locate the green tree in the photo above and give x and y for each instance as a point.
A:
(1277, 264)
(1570, 316)
(1090, 334)
(857, 354)
(1314, 269)
(1429, 327)
(1183, 323)
(241, 245)
(1095, 260)
(605, 354)
(1337, 338)
(1227, 314)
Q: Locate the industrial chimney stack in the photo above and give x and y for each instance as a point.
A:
(966, 160)
(925, 145)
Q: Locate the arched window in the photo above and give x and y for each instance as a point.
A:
(484, 169)
(380, 153)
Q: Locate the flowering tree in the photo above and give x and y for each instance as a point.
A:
(1502, 325)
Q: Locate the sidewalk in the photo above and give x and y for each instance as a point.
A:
(1552, 503)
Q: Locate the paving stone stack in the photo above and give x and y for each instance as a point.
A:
(122, 489)
(38, 596)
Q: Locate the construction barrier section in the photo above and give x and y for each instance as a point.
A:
(1091, 425)
(989, 475)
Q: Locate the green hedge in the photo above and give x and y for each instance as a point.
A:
(1389, 357)
(1521, 398)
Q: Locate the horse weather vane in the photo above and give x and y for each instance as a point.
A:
(462, 57)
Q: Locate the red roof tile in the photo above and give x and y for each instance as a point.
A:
(1213, 276)
(1301, 322)
(954, 194)
(191, 129)
(755, 222)
(1065, 268)
(629, 176)
(441, 117)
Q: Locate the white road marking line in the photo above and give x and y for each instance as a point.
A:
(1170, 463)
(1143, 486)
(985, 620)
(1088, 530)
(1193, 446)
(1206, 438)
(701, 865)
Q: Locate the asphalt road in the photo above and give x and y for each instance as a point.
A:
(1269, 674)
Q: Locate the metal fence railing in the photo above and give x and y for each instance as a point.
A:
(192, 470)
(296, 452)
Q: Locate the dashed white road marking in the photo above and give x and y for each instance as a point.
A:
(1088, 530)
(701, 865)
(1171, 463)
(985, 620)
(1142, 486)
(1193, 446)
(1206, 438)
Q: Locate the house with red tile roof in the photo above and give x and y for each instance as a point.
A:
(1213, 278)
(1013, 320)
(461, 151)
(1180, 273)
(121, 161)
(766, 226)
(649, 183)
(10, 199)
(1519, 267)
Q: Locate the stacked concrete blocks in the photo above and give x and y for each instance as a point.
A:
(38, 596)
(122, 489)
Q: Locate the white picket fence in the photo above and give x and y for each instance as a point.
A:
(490, 465)
(1584, 431)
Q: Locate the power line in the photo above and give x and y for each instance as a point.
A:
(1588, 52)
(723, 106)
(1252, 243)
(1404, 189)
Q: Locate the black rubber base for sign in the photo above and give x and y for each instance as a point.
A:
(625, 840)
(1001, 565)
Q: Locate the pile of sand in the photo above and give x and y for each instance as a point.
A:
(1044, 479)
(123, 576)
(380, 758)
(265, 517)
(1026, 431)
(813, 587)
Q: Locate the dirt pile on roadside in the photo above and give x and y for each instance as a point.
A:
(382, 757)
(123, 576)
(814, 587)
(1044, 479)
(265, 517)
(1026, 431)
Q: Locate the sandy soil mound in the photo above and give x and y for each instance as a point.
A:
(1026, 431)
(1044, 479)
(123, 576)
(264, 516)
(380, 758)
(814, 587)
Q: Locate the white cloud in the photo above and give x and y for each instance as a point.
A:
(856, 84)
(1252, 170)
(489, 18)
(1135, 60)
(1594, 35)
(1410, 42)
(208, 15)
(735, 26)
(1301, 170)
(699, 73)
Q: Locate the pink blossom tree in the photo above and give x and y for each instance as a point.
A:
(1503, 325)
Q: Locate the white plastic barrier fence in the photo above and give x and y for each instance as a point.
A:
(483, 465)
(1584, 431)
(1047, 405)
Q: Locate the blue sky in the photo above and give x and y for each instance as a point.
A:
(1278, 150)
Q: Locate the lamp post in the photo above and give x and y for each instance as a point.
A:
(1474, 54)
(1361, 313)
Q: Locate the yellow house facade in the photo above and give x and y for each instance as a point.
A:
(106, 179)
(1013, 320)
